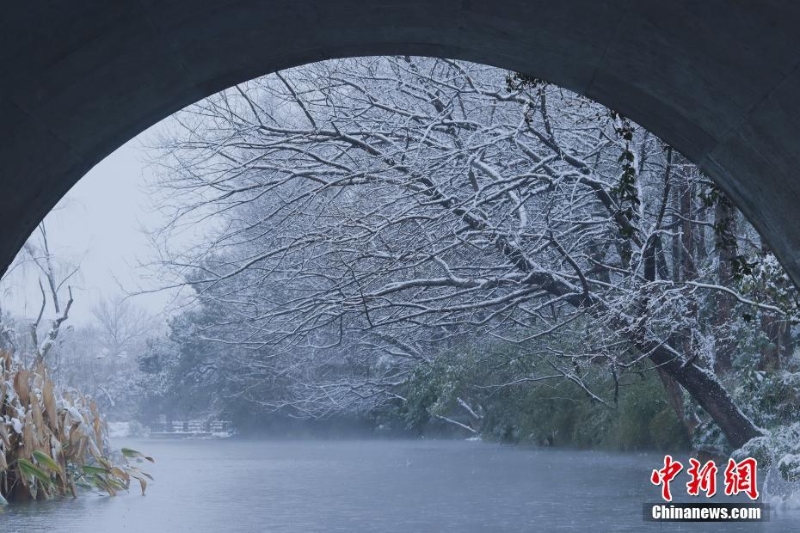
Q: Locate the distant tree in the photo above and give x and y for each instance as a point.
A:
(123, 327)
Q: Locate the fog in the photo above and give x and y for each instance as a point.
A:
(99, 225)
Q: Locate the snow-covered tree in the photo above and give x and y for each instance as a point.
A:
(374, 210)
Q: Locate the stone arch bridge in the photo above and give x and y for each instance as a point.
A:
(717, 79)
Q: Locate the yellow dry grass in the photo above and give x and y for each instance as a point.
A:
(52, 441)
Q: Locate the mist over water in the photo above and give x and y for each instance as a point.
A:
(372, 485)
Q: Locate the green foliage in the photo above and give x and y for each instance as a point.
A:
(646, 420)
(551, 412)
(558, 414)
(626, 189)
(764, 279)
(561, 415)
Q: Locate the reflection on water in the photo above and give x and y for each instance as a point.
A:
(352, 486)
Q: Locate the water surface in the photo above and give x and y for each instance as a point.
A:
(381, 486)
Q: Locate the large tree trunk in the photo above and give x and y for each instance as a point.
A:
(675, 399)
(779, 342)
(687, 229)
(701, 384)
(725, 243)
(777, 330)
(704, 387)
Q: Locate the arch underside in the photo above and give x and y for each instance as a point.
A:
(717, 79)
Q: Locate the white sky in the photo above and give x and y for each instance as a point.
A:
(97, 224)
